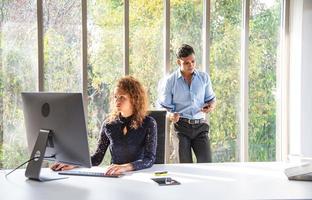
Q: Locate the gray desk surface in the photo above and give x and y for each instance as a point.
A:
(198, 181)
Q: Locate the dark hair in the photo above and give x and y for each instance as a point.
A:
(184, 50)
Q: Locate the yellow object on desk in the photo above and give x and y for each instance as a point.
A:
(161, 173)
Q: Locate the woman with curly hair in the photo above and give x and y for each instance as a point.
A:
(129, 133)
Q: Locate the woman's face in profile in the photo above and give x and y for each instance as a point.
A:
(122, 101)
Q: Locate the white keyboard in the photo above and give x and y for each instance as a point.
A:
(85, 173)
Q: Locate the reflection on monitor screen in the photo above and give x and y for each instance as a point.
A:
(56, 130)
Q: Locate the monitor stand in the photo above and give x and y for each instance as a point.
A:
(33, 169)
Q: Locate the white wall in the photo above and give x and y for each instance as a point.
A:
(300, 77)
(306, 81)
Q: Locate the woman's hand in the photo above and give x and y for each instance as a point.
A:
(61, 167)
(115, 169)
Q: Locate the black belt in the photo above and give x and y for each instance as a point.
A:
(192, 121)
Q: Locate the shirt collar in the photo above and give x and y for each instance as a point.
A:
(180, 74)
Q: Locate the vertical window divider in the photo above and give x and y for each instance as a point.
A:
(126, 37)
(84, 51)
(282, 115)
(206, 36)
(1, 115)
(206, 39)
(244, 94)
(166, 35)
(40, 74)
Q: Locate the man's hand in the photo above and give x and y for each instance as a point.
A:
(174, 117)
(115, 169)
(209, 107)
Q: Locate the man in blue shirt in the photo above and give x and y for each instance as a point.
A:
(188, 95)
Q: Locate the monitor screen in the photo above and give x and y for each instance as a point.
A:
(62, 115)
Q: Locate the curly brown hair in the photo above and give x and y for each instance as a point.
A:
(138, 98)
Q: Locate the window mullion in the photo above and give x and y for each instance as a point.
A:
(40, 46)
(126, 37)
(167, 66)
(282, 116)
(167, 36)
(84, 70)
(244, 83)
(206, 36)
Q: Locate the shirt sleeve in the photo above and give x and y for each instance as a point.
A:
(209, 94)
(103, 143)
(165, 94)
(149, 148)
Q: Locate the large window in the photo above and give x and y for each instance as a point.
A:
(107, 53)
(146, 44)
(62, 45)
(225, 29)
(18, 65)
(264, 41)
(105, 61)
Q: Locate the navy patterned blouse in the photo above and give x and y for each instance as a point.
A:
(137, 146)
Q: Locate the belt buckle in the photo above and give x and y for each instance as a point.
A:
(193, 121)
(187, 120)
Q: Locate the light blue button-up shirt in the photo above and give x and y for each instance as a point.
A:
(177, 96)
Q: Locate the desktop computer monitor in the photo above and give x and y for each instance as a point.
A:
(56, 130)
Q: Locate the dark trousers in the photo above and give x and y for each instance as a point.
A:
(193, 136)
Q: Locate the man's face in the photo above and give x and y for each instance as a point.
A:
(187, 64)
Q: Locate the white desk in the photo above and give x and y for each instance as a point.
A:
(198, 181)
